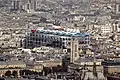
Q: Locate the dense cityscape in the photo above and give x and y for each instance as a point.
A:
(59, 39)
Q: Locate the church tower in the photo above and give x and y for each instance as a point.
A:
(74, 54)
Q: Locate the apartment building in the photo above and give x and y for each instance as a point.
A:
(106, 28)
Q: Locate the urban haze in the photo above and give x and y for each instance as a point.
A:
(59, 39)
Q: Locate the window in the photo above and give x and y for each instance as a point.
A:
(75, 54)
(69, 43)
(75, 48)
(42, 36)
(69, 39)
(69, 50)
(119, 8)
(28, 7)
(39, 42)
(33, 39)
(37, 39)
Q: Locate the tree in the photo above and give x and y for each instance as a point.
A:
(8, 73)
(15, 73)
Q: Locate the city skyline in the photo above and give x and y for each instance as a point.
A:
(59, 39)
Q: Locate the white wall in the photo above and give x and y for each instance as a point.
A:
(106, 28)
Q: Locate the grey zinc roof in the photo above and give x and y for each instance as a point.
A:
(15, 62)
(2, 63)
(11, 62)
